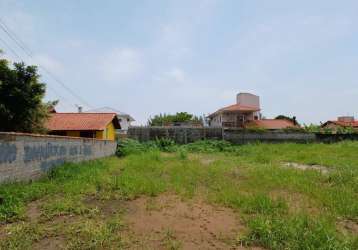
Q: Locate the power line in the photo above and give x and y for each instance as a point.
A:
(15, 38)
(65, 100)
(21, 59)
(9, 48)
(29, 53)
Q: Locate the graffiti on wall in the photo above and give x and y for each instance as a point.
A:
(47, 165)
(44, 152)
(8, 152)
(80, 150)
(25, 157)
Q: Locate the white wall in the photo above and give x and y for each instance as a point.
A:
(124, 122)
(248, 99)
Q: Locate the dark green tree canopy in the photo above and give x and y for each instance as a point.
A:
(21, 95)
(180, 117)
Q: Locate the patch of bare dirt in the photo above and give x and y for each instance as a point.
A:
(33, 211)
(320, 168)
(168, 222)
(348, 226)
(34, 214)
(105, 207)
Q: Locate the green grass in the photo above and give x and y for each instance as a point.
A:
(282, 208)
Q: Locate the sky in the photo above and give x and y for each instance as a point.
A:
(147, 57)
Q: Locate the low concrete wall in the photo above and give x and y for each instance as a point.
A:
(242, 137)
(28, 156)
(184, 135)
(332, 138)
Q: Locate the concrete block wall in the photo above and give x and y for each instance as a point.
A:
(241, 137)
(28, 156)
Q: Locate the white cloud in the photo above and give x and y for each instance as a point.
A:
(73, 43)
(175, 77)
(121, 64)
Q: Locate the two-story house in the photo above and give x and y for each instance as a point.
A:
(246, 109)
(246, 114)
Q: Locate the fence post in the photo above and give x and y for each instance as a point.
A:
(167, 133)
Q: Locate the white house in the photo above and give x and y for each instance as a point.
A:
(246, 109)
(245, 114)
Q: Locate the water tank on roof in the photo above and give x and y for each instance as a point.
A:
(346, 119)
(247, 99)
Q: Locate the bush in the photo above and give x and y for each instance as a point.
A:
(165, 144)
(210, 146)
(255, 130)
(129, 146)
(294, 130)
(182, 154)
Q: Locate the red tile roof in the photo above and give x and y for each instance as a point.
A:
(81, 121)
(237, 107)
(272, 124)
(353, 124)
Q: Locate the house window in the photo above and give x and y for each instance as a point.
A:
(61, 133)
(87, 134)
(256, 117)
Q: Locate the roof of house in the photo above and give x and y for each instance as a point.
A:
(111, 110)
(81, 121)
(236, 107)
(353, 124)
(272, 123)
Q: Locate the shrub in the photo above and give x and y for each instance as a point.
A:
(210, 146)
(165, 144)
(130, 146)
(182, 154)
(294, 129)
(312, 128)
(255, 130)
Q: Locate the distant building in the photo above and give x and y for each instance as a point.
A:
(271, 124)
(246, 109)
(89, 125)
(245, 114)
(341, 122)
(123, 118)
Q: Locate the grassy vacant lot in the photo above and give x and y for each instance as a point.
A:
(207, 195)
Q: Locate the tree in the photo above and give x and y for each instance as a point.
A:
(283, 117)
(21, 95)
(179, 117)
